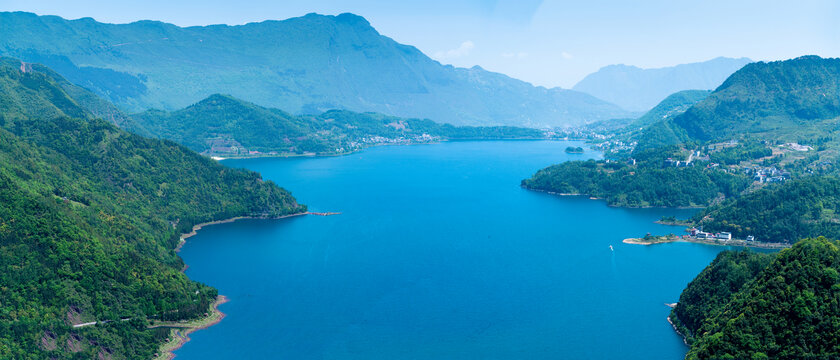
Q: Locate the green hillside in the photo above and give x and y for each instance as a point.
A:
(673, 105)
(797, 209)
(767, 123)
(740, 308)
(642, 184)
(89, 217)
(305, 65)
(223, 125)
(794, 100)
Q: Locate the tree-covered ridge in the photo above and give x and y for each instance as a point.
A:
(673, 105)
(223, 125)
(44, 94)
(653, 178)
(767, 96)
(305, 65)
(790, 309)
(792, 100)
(806, 207)
(89, 217)
(713, 288)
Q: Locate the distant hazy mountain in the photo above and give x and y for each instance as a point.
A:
(791, 100)
(303, 65)
(637, 89)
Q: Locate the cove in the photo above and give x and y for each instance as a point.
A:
(439, 254)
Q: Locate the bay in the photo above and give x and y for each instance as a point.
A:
(439, 254)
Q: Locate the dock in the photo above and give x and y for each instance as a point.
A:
(322, 213)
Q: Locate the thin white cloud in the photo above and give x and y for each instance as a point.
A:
(514, 55)
(566, 55)
(461, 51)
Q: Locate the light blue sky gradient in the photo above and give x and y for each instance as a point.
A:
(550, 42)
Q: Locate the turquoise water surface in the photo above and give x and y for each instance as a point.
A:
(439, 254)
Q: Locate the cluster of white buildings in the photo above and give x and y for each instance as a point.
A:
(373, 140)
(704, 235)
(768, 174)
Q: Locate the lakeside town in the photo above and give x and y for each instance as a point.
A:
(223, 147)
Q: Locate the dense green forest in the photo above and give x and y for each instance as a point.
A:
(89, 217)
(734, 155)
(755, 306)
(806, 207)
(713, 288)
(223, 125)
(647, 183)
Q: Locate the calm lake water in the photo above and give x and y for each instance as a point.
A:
(439, 254)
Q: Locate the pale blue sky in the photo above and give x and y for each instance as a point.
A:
(550, 42)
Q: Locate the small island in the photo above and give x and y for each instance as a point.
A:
(574, 150)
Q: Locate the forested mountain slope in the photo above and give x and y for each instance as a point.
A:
(739, 308)
(89, 217)
(790, 100)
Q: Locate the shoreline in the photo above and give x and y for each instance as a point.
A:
(734, 242)
(179, 335)
(200, 226)
(180, 332)
(642, 241)
(613, 206)
(674, 223)
(221, 157)
(685, 339)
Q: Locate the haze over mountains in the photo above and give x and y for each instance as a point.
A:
(308, 64)
(637, 89)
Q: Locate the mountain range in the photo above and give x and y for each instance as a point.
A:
(637, 89)
(222, 125)
(304, 65)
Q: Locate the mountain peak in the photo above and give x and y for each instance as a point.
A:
(302, 65)
(343, 18)
(637, 89)
(353, 19)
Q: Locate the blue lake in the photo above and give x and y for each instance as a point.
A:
(439, 254)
